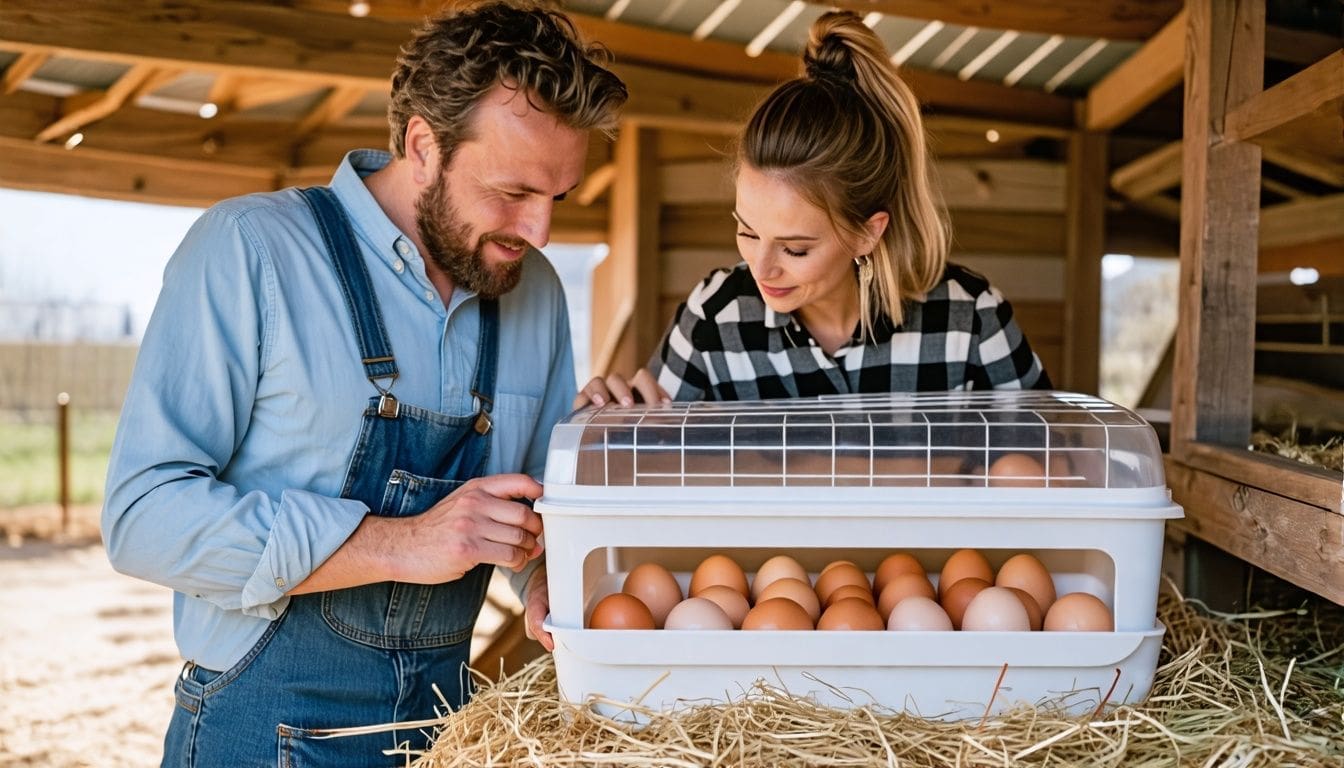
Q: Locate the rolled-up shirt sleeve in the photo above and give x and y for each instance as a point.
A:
(168, 516)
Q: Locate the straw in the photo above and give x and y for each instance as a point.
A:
(1261, 688)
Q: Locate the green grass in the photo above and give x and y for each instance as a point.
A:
(28, 461)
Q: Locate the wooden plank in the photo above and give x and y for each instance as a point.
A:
(1323, 255)
(1152, 71)
(97, 105)
(683, 268)
(336, 104)
(21, 69)
(1295, 541)
(989, 185)
(1113, 20)
(1302, 221)
(1001, 232)
(1313, 167)
(1318, 88)
(1002, 185)
(696, 226)
(595, 184)
(1298, 46)
(1317, 486)
(1220, 201)
(626, 284)
(1019, 277)
(97, 173)
(1155, 172)
(1084, 239)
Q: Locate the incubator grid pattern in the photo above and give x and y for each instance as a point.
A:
(816, 441)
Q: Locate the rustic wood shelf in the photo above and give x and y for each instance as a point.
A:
(1292, 539)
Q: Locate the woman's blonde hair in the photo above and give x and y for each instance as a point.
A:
(847, 135)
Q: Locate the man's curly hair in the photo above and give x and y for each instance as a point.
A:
(455, 58)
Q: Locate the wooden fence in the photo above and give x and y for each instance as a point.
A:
(33, 373)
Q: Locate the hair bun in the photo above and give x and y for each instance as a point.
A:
(829, 58)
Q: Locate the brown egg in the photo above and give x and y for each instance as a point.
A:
(777, 567)
(834, 563)
(620, 611)
(995, 609)
(849, 590)
(851, 613)
(1034, 613)
(959, 596)
(1029, 575)
(919, 614)
(1079, 612)
(718, 570)
(964, 564)
(901, 587)
(730, 600)
(777, 613)
(795, 590)
(656, 587)
(1016, 470)
(837, 575)
(893, 566)
(698, 613)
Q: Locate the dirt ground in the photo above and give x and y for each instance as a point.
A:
(87, 659)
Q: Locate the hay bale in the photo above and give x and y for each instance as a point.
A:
(1256, 689)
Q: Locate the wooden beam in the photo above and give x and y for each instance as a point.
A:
(1153, 70)
(1320, 169)
(1298, 46)
(595, 184)
(21, 69)
(1291, 539)
(91, 106)
(336, 104)
(1220, 202)
(1115, 21)
(625, 285)
(1085, 240)
(123, 176)
(1318, 88)
(1302, 221)
(327, 46)
(1146, 176)
(1322, 255)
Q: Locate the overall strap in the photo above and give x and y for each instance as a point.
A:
(360, 300)
(483, 388)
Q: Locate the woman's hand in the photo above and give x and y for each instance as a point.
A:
(615, 389)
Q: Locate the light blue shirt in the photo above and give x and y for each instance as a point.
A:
(248, 395)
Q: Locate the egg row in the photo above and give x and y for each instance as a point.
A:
(1021, 597)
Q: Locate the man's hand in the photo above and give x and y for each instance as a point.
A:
(537, 606)
(483, 521)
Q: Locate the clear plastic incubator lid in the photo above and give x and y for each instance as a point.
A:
(946, 439)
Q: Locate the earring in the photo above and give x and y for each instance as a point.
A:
(865, 265)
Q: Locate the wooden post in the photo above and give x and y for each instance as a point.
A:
(63, 457)
(1085, 241)
(1220, 205)
(625, 285)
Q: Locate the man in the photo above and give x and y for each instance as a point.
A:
(335, 381)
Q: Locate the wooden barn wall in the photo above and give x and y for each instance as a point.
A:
(1007, 219)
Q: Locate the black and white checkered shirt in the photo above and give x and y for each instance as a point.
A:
(726, 344)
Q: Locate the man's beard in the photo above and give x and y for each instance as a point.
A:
(446, 238)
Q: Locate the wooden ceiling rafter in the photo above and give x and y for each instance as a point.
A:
(1151, 71)
(21, 69)
(87, 107)
(336, 104)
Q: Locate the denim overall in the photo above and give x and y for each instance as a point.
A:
(366, 655)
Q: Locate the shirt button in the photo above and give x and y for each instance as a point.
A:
(402, 248)
(279, 582)
(398, 266)
(429, 296)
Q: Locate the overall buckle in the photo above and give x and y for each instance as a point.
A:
(483, 421)
(388, 407)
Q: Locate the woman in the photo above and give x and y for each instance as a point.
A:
(845, 285)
